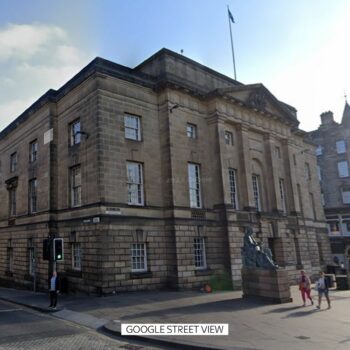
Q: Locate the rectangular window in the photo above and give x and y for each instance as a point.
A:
(346, 197)
(75, 179)
(10, 259)
(319, 150)
(228, 138)
(33, 151)
(194, 185)
(199, 253)
(283, 196)
(12, 201)
(233, 188)
(132, 126)
(13, 162)
(300, 200)
(307, 171)
(138, 257)
(278, 152)
(135, 183)
(256, 192)
(31, 265)
(313, 206)
(33, 196)
(76, 256)
(343, 169)
(191, 131)
(340, 146)
(333, 227)
(75, 132)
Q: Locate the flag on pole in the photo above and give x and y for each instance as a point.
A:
(230, 16)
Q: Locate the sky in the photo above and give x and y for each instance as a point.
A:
(298, 49)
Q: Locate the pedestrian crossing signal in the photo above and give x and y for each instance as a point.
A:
(58, 249)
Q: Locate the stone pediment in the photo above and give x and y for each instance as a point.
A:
(259, 98)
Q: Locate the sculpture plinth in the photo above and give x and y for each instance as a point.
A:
(270, 285)
(261, 277)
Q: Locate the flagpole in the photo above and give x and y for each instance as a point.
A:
(233, 52)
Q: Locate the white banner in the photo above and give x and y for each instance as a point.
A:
(175, 328)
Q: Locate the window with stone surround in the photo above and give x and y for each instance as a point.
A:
(346, 196)
(307, 171)
(340, 146)
(333, 227)
(75, 186)
(278, 152)
(343, 169)
(233, 187)
(13, 162)
(76, 256)
(33, 196)
(228, 138)
(194, 185)
(138, 257)
(256, 191)
(283, 196)
(191, 131)
(300, 199)
(33, 151)
(132, 127)
(75, 133)
(12, 201)
(135, 183)
(313, 207)
(10, 259)
(200, 261)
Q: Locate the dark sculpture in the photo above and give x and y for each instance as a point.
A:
(255, 254)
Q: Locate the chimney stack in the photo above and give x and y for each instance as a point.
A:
(327, 118)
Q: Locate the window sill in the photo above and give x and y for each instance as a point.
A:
(74, 273)
(133, 140)
(141, 274)
(203, 272)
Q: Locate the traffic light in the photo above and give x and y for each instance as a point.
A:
(58, 249)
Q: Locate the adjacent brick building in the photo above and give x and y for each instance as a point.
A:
(151, 174)
(333, 157)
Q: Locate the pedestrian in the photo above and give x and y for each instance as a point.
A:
(305, 287)
(322, 286)
(54, 289)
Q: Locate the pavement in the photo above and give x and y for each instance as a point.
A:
(253, 324)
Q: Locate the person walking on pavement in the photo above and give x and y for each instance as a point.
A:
(322, 286)
(54, 289)
(305, 287)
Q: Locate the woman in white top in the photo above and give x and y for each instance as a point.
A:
(322, 286)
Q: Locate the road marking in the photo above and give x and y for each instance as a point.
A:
(8, 310)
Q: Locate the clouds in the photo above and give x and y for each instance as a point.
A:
(34, 58)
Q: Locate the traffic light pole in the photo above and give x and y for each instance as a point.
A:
(52, 264)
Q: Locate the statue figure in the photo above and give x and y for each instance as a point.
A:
(255, 254)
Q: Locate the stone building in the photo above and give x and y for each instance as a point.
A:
(151, 174)
(333, 157)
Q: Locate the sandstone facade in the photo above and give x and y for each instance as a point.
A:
(333, 157)
(127, 217)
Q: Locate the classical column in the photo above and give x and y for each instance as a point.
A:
(246, 187)
(271, 175)
(291, 177)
